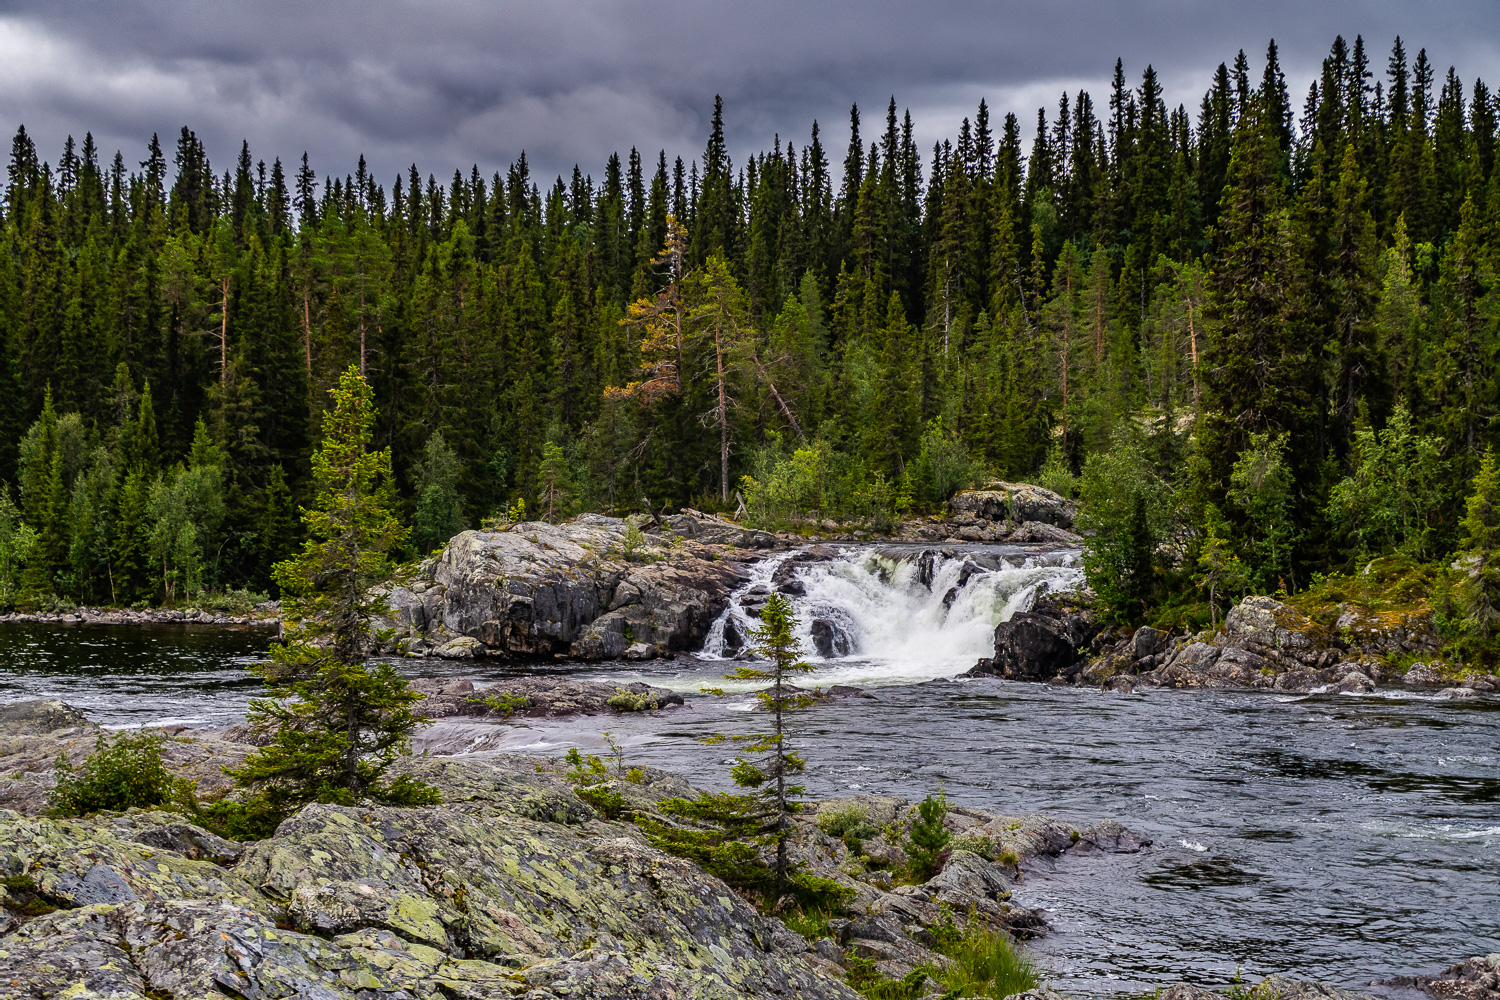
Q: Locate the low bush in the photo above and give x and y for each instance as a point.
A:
(231, 602)
(125, 771)
(628, 701)
(927, 844)
(503, 704)
(849, 823)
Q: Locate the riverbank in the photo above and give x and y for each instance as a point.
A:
(268, 614)
(1263, 644)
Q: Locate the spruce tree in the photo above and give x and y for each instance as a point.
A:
(338, 725)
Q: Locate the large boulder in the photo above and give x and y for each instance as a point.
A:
(538, 590)
(1043, 642)
(1014, 502)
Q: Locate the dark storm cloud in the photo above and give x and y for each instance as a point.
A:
(452, 84)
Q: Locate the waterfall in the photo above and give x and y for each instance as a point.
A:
(881, 615)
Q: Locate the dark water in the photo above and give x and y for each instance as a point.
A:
(1341, 838)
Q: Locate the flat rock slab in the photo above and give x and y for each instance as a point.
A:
(540, 697)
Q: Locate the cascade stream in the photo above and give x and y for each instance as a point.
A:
(894, 615)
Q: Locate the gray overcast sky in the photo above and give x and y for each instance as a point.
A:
(449, 84)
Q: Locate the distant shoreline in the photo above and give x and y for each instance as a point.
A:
(126, 616)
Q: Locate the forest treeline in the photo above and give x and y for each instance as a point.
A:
(1259, 336)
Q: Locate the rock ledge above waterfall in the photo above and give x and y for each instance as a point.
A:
(538, 590)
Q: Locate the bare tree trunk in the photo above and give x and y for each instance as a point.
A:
(307, 345)
(224, 330)
(947, 308)
(785, 409)
(723, 413)
(361, 331)
(1193, 342)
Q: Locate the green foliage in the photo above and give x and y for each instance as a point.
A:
(125, 771)
(16, 541)
(1248, 298)
(505, 704)
(238, 602)
(1394, 499)
(1132, 515)
(554, 484)
(987, 964)
(1221, 571)
(1261, 487)
(1479, 565)
(628, 701)
(984, 963)
(1055, 475)
(439, 513)
(23, 897)
(849, 824)
(927, 842)
(338, 725)
(634, 542)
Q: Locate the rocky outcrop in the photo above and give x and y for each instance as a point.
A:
(1268, 644)
(538, 697)
(1475, 978)
(1263, 644)
(513, 889)
(536, 590)
(1012, 512)
(266, 613)
(1041, 643)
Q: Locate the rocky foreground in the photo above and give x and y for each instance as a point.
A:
(514, 887)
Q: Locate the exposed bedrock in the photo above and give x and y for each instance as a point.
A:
(1262, 644)
(537, 590)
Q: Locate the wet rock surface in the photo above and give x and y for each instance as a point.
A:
(539, 591)
(1043, 642)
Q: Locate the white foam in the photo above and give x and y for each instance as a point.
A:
(900, 631)
(1193, 845)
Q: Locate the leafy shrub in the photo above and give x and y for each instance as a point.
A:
(125, 771)
(987, 964)
(927, 843)
(503, 704)
(629, 701)
(589, 777)
(634, 543)
(849, 824)
(975, 843)
(231, 602)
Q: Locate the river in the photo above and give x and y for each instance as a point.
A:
(1343, 838)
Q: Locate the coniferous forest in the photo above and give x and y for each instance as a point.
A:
(1258, 337)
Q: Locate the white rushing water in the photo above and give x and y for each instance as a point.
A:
(889, 617)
